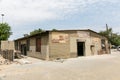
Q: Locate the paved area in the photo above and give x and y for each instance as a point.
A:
(102, 67)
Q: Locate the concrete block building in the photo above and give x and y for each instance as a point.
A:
(51, 45)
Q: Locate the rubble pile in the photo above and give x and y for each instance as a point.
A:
(4, 61)
(22, 61)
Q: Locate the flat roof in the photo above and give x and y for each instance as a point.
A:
(47, 31)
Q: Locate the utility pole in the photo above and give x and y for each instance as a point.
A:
(2, 17)
(106, 27)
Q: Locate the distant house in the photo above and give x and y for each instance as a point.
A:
(50, 45)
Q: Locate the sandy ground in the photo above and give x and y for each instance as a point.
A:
(98, 67)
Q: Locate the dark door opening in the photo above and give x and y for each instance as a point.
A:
(24, 49)
(80, 48)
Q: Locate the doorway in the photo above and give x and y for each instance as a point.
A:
(80, 48)
(24, 49)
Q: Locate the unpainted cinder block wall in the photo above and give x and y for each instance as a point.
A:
(7, 45)
(68, 49)
(79, 36)
(44, 48)
(56, 49)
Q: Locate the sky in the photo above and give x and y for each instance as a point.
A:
(25, 16)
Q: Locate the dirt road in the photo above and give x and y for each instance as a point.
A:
(102, 67)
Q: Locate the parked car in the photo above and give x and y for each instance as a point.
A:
(118, 48)
(113, 47)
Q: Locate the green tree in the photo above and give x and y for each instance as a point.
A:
(54, 29)
(5, 31)
(36, 31)
(107, 33)
(113, 38)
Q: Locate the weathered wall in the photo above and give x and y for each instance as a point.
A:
(44, 48)
(79, 36)
(68, 47)
(23, 42)
(96, 41)
(63, 44)
(9, 45)
(59, 48)
(33, 44)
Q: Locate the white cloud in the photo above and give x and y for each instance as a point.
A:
(25, 11)
(21, 11)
